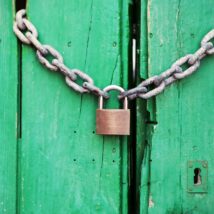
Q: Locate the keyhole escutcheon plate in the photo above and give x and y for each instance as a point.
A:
(197, 176)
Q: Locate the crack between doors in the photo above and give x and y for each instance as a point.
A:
(19, 4)
(134, 28)
(142, 112)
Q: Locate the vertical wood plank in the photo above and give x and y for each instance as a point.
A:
(196, 103)
(183, 113)
(164, 189)
(65, 166)
(8, 108)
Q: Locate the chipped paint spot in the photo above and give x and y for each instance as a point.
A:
(151, 202)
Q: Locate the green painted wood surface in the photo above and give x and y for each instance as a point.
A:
(59, 165)
(8, 109)
(183, 113)
(64, 166)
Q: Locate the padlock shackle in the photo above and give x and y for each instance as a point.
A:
(113, 87)
(116, 88)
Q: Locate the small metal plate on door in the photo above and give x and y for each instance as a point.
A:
(197, 175)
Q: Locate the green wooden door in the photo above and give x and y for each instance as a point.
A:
(179, 125)
(51, 160)
(64, 166)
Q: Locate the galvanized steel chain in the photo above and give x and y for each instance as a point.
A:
(27, 34)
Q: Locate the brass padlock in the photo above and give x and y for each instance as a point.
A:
(113, 121)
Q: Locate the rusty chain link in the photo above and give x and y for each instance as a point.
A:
(27, 34)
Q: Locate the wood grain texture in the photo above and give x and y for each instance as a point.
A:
(65, 166)
(8, 109)
(184, 112)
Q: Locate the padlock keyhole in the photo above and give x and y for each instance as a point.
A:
(197, 176)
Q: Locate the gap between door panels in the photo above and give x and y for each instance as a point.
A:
(19, 4)
(143, 112)
(133, 16)
(140, 116)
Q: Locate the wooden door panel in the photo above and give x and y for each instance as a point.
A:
(181, 119)
(65, 166)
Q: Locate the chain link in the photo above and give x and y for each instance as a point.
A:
(176, 72)
(27, 34)
(207, 38)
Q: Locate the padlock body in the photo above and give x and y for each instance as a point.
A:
(113, 121)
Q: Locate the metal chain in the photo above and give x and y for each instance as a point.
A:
(176, 72)
(27, 34)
